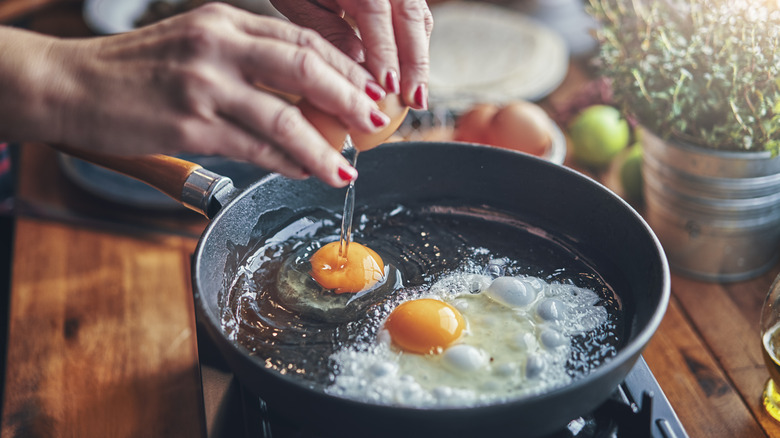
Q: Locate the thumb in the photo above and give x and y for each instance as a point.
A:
(326, 18)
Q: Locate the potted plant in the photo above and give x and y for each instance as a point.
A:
(701, 79)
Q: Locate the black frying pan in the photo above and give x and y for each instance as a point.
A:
(597, 223)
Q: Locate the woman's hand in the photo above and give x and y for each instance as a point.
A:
(393, 42)
(189, 83)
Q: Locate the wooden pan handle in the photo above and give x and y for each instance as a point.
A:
(166, 174)
(12, 10)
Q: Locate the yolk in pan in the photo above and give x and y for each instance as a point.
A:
(424, 326)
(361, 269)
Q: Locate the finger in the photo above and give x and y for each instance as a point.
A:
(246, 147)
(413, 23)
(278, 29)
(240, 143)
(301, 71)
(293, 60)
(218, 134)
(375, 21)
(282, 124)
(325, 17)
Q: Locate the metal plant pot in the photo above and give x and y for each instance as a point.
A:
(716, 213)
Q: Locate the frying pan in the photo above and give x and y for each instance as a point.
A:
(585, 215)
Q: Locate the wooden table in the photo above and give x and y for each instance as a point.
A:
(102, 333)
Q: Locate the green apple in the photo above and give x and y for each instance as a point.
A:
(598, 133)
(631, 172)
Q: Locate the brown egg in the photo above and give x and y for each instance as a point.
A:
(335, 132)
(437, 133)
(521, 126)
(472, 126)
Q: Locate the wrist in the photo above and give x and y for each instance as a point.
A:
(35, 86)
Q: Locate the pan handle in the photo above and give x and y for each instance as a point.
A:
(196, 188)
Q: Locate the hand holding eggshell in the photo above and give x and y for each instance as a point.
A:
(335, 132)
(395, 110)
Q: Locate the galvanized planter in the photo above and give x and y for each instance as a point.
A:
(716, 213)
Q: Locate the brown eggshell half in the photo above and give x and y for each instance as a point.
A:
(392, 106)
(335, 132)
(329, 126)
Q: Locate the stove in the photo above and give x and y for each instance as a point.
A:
(637, 409)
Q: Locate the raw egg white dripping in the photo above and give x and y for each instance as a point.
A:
(513, 339)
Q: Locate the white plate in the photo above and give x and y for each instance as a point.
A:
(113, 16)
(117, 16)
(487, 53)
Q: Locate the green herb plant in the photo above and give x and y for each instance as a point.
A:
(701, 71)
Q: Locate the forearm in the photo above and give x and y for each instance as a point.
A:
(32, 87)
(188, 83)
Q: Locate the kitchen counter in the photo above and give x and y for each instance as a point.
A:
(101, 339)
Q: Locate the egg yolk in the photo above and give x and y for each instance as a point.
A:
(424, 326)
(358, 271)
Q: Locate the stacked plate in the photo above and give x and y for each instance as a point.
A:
(487, 53)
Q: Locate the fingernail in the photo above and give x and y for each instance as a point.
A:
(421, 96)
(391, 82)
(375, 91)
(378, 118)
(347, 173)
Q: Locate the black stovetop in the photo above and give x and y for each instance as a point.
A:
(638, 408)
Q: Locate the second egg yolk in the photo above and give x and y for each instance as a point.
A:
(358, 271)
(424, 326)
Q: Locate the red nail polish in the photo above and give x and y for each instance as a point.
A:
(378, 118)
(391, 82)
(375, 91)
(347, 173)
(421, 97)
